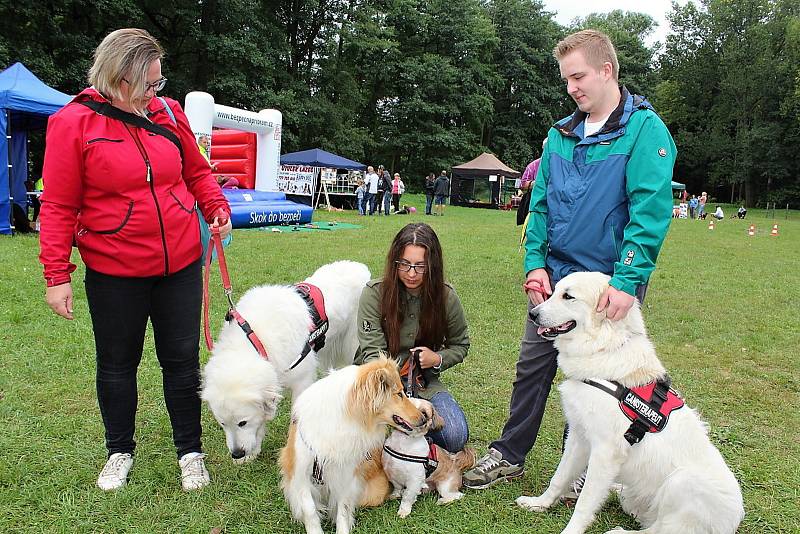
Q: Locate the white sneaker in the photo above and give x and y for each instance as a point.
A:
(115, 473)
(193, 471)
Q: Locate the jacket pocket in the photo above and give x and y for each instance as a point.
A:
(103, 140)
(125, 220)
(187, 209)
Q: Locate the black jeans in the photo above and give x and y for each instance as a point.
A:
(120, 308)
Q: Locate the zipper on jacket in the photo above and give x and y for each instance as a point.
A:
(149, 178)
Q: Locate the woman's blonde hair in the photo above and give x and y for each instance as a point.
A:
(126, 53)
(596, 46)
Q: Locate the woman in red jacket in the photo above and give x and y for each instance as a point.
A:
(126, 196)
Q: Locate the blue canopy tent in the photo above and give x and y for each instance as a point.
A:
(677, 185)
(316, 157)
(25, 104)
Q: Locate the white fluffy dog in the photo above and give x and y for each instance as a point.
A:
(673, 481)
(242, 389)
(336, 424)
(410, 467)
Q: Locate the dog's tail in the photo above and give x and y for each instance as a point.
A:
(465, 459)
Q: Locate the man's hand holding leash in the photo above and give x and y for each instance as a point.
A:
(537, 286)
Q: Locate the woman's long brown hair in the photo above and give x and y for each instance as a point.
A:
(433, 315)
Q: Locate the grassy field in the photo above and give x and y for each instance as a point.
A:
(722, 310)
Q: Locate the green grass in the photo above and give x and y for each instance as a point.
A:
(722, 310)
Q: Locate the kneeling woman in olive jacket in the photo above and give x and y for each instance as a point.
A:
(413, 311)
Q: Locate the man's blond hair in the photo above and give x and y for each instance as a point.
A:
(126, 53)
(596, 46)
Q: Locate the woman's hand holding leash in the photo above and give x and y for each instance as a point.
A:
(222, 221)
(428, 358)
(59, 298)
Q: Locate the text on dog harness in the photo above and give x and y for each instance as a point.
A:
(312, 295)
(648, 406)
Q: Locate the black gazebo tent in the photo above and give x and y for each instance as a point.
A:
(479, 183)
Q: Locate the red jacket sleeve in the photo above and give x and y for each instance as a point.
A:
(61, 200)
(196, 171)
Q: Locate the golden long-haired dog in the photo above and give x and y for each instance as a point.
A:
(331, 458)
(413, 465)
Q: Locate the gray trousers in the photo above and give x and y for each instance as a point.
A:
(536, 369)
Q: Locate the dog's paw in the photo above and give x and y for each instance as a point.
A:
(404, 511)
(534, 504)
(449, 498)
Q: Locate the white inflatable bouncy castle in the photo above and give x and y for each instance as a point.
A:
(264, 204)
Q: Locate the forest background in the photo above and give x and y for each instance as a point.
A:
(421, 85)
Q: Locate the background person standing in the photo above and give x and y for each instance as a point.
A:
(441, 189)
(430, 179)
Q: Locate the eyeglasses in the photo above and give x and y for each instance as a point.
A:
(404, 267)
(156, 86)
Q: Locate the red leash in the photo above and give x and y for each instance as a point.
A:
(215, 243)
(534, 285)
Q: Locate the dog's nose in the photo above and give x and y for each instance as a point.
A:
(534, 315)
(237, 454)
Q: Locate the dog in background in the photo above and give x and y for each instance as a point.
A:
(673, 480)
(338, 426)
(414, 465)
(243, 389)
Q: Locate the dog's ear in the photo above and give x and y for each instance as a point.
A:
(374, 385)
(438, 421)
(270, 403)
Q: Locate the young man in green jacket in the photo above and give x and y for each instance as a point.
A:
(602, 201)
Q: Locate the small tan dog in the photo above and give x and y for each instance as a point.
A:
(413, 465)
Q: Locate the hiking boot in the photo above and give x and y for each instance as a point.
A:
(193, 471)
(115, 473)
(490, 470)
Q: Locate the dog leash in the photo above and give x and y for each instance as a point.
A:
(215, 241)
(534, 285)
(413, 363)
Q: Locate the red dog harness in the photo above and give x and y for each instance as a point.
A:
(648, 406)
(311, 294)
(319, 325)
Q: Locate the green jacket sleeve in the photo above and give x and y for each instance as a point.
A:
(371, 341)
(456, 344)
(536, 231)
(649, 188)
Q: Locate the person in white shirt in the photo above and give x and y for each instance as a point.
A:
(371, 182)
(718, 214)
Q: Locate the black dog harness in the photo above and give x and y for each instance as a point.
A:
(430, 462)
(647, 406)
(316, 307)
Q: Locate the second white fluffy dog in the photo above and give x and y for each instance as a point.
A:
(242, 389)
(673, 480)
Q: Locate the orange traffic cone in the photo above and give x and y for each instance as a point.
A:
(711, 224)
(774, 232)
(752, 231)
